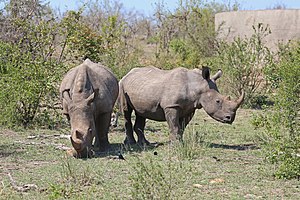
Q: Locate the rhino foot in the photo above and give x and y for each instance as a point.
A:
(103, 146)
(144, 142)
(129, 141)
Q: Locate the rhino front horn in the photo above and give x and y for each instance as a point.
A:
(76, 145)
(240, 100)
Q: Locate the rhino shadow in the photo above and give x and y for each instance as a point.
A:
(117, 149)
(240, 147)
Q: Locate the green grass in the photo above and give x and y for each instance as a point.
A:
(215, 161)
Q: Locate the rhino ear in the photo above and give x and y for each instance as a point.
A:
(205, 72)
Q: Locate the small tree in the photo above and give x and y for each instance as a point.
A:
(29, 68)
(243, 60)
(103, 43)
(282, 124)
(186, 37)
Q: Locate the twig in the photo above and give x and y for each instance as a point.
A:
(24, 188)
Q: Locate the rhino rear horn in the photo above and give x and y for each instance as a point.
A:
(90, 99)
(217, 75)
(205, 72)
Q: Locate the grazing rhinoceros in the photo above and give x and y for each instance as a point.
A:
(88, 93)
(172, 96)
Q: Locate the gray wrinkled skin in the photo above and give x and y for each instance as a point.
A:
(88, 93)
(172, 96)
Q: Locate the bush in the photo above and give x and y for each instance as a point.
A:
(243, 61)
(29, 72)
(103, 43)
(281, 124)
(185, 37)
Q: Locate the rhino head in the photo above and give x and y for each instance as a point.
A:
(83, 130)
(219, 107)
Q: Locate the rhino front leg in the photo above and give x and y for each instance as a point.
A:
(172, 118)
(184, 121)
(102, 128)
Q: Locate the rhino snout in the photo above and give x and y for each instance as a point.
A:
(228, 118)
(76, 143)
(82, 149)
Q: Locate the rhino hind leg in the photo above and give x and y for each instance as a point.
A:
(128, 127)
(102, 128)
(139, 127)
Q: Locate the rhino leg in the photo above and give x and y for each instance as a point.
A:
(139, 126)
(128, 127)
(172, 117)
(102, 128)
(184, 121)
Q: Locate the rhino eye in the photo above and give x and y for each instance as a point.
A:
(89, 130)
(218, 101)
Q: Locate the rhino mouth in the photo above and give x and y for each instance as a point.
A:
(225, 120)
(84, 153)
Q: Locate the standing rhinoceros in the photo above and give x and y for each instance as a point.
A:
(88, 93)
(172, 96)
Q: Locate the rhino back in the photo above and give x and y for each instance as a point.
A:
(106, 84)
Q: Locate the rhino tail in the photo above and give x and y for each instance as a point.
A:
(122, 102)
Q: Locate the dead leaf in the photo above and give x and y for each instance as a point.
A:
(217, 180)
(198, 185)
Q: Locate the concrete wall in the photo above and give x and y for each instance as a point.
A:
(284, 24)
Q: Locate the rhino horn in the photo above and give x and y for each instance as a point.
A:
(76, 142)
(217, 75)
(227, 98)
(240, 100)
(90, 99)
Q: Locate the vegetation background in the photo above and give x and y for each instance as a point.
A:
(38, 45)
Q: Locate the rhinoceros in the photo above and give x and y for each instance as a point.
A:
(172, 96)
(88, 93)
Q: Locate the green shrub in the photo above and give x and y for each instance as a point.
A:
(104, 43)
(186, 37)
(192, 145)
(29, 74)
(282, 123)
(243, 61)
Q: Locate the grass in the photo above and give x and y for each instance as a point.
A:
(215, 161)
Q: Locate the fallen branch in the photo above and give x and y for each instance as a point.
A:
(58, 146)
(24, 188)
